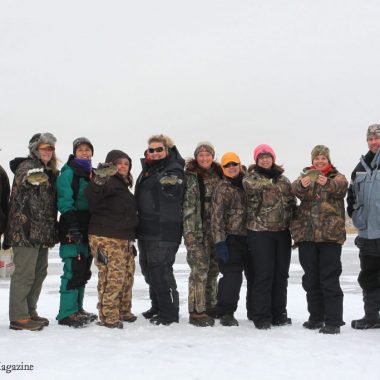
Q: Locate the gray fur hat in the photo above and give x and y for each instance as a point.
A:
(373, 130)
(41, 138)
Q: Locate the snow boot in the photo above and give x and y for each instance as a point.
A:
(328, 329)
(201, 319)
(282, 320)
(130, 318)
(263, 325)
(150, 313)
(366, 322)
(158, 320)
(90, 317)
(228, 320)
(74, 320)
(26, 324)
(313, 325)
(43, 321)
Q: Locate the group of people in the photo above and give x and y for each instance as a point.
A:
(234, 221)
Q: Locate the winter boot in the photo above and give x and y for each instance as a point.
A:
(263, 325)
(26, 324)
(158, 320)
(90, 317)
(74, 320)
(129, 318)
(150, 313)
(211, 312)
(228, 320)
(328, 329)
(43, 321)
(313, 325)
(282, 320)
(367, 322)
(201, 319)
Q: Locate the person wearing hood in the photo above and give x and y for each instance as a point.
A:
(202, 175)
(270, 208)
(159, 194)
(229, 231)
(73, 234)
(4, 199)
(31, 229)
(111, 231)
(363, 205)
(318, 230)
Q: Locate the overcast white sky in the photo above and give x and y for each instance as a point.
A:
(292, 74)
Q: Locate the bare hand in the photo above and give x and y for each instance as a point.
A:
(305, 181)
(322, 180)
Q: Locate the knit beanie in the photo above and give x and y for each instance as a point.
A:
(373, 130)
(227, 158)
(41, 138)
(320, 150)
(115, 155)
(204, 146)
(263, 149)
(82, 140)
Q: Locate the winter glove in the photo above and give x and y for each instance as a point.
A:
(221, 251)
(75, 236)
(36, 177)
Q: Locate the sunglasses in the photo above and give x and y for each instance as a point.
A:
(158, 150)
(230, 165)
(47, 149)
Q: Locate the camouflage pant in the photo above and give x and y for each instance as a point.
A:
(203, 276)
(115, 278)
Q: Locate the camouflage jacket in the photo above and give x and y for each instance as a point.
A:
(228, 210)
(199, 187)
(320, 217)
(33, 208)
(271, 203)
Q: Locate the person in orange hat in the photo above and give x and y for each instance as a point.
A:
(228, 225)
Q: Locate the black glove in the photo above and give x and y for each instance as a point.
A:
(75, 236)
(221, 251)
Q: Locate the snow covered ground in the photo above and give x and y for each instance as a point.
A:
(182, 351)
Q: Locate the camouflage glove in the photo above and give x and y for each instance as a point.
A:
(75, 236)
(221, 251)
(36, 177)
(103, 172)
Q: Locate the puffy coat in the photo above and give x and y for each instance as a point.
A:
(159, 194)
(32, 218)
(320, 216)
(271, 203)
(228, 209)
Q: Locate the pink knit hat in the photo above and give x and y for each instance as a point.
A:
(262, 149)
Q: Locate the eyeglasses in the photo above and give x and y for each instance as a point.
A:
(47, 149)
(230, 165)
(158, 150)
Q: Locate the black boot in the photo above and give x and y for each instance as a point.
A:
(328, 329)
(228, 320)
(150, 313)
(313, 325)
(367, 322)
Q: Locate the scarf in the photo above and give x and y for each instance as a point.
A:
(325, 171)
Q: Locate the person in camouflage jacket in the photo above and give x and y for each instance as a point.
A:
(319, 232)
(31, 229)
(228, 224)
(202, 174)
(270, 208)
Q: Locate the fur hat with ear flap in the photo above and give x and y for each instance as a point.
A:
(80, 141)
(320, 150)
(41, 138)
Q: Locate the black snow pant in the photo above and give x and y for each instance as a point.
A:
(156, 260)
(270, 253)
(369, 276)
(229, 285)
(322, 266)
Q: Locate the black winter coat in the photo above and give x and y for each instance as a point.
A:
(159, 193)
(113, 210)
(4, 199)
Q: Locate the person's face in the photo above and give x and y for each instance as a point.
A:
(83, 152)
(204, 159)
(265, 161)
(320, 162)
(373, 143)
(156, 151)
(232, 169)
(46, 152)
(122, 166)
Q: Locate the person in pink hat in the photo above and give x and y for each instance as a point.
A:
(270, 209)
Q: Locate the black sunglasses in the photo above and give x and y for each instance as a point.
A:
(158, 150)
(230, 165)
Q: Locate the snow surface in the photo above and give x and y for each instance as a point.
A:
(182, 351)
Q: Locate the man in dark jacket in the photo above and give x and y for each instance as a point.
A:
(159, 194)
(4, 199)
(363, 202)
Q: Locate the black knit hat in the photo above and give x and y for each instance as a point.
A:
(82, 140)
(115, 155)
